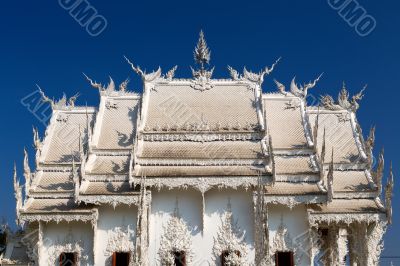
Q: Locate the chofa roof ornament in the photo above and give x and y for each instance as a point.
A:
(302, 91)
(61, 104)
(110, 89)
(343, 100)
(259, 77)
(142, 73)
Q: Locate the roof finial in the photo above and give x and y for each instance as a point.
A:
(202, 53)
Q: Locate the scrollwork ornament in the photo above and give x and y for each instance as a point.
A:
(121, 239)
(282, 241)
(230, 241)
(176, 238)
(69, 244)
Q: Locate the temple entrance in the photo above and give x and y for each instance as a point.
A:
(120, 259)
(284, 258)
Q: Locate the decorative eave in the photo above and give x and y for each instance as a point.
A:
(202, 184)
(222, 135)
(113, 200)
(83, 216)
(315, 219)
(293, 200)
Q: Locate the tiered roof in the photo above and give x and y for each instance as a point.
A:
(203, 133)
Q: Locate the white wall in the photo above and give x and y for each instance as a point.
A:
(162, 208)
(190, 209)
(109, 218)
(295, 221)
(243, 214)
(57, 237)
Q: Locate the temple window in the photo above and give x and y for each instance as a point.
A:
(120, 259)
(179, 258)
(225, 254)
(68, 259)
(284, 258)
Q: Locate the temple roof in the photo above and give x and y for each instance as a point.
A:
(228, 105)
(201, 132)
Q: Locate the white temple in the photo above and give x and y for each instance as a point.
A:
(202, 171)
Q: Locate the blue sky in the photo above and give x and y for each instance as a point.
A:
(42, 43)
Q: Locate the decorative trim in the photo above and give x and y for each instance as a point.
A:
(113, 200)
(69, 244)
(59, 217)
(203, 127)
(201, 162)
(292, 201)
(282, 241)
(120, 239)
(375, 242)
(203, 137)
(331, 218)
(202, 184)
(176, 237)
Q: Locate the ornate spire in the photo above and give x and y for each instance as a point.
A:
(343, 100)
(378, 173)
(330, 180)
(72, 100)
(202, 53)
(27, 173)
(202, 57)
(280, 87)
(37, 144)
(17, 192)
(315, 131)
(75, 178)
(323, 147)
(389, 195)
(171, 73)
(124, 85)
(369, 146)
(88, 133)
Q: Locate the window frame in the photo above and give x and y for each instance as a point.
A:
(291, 260)
(116, 253)
(63, 255)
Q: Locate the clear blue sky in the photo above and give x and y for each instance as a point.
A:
(41, 43)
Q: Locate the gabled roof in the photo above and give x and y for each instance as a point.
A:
(228, 105)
